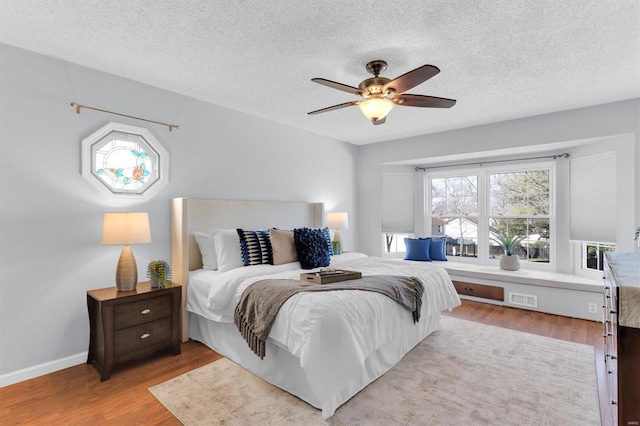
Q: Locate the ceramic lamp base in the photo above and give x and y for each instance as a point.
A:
(127, 270)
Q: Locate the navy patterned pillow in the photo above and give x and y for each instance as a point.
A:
(327, 237)
(255, 247)
(311, 247)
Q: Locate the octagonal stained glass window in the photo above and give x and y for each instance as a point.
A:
(125, 161)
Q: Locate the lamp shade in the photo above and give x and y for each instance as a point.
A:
(338, 220)
(126, 228)
(375, 108)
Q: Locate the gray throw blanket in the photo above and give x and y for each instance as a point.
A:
(262, 300)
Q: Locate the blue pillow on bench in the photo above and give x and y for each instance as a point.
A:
(417, 249)
(437, 249)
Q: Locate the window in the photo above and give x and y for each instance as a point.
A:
(124, 161)
(473, 208)
(592, 255)
(394, 243)
(519, 206)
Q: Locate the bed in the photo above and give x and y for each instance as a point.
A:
(323, 347)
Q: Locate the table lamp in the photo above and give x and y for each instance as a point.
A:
(337, 221)
(126, 229)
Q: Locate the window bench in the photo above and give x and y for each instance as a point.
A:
(551, 292)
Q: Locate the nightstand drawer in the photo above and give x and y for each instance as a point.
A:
(130, 339)
(130, 314)
(479, 290)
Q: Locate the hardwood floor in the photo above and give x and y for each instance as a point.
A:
(75, 396)
(564, 328)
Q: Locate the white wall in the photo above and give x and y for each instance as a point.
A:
(620, 118)
(51, 217)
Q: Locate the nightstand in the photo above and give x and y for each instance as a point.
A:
(133, 324)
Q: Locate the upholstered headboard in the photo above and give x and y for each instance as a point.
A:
(189, 215)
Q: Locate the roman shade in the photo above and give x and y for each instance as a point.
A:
(398, 202)
(593, 198)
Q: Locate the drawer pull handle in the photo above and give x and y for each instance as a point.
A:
(145, 311)
(145, 335)
(612, 312)
(468, 289)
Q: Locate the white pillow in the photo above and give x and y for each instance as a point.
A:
(228, 253)
(207, 250)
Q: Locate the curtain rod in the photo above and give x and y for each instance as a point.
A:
(77, 106)
(563, 155)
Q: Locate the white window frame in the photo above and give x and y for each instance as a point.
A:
(580, 261)
(483, 173)
(160, 169)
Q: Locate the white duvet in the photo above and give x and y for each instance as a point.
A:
(333, 332)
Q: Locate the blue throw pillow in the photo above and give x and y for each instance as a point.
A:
(417, 249)
(437, 249)
(255, 247)
(311, 248)
(327, 236)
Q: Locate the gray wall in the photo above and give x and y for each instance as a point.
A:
(618, 123)
(51, 217)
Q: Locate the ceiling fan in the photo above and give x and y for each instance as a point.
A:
(382, 94)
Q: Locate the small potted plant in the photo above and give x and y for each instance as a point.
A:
(159, 272)
(509, 261)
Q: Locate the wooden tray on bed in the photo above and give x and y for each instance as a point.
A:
(333, 276)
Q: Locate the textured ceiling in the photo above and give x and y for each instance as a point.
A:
(501, 59)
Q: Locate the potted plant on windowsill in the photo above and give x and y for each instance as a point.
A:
(159, 272)
(509, 261)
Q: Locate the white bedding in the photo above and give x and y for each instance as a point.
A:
(332, 334)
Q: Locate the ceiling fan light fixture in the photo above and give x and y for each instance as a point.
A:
(375, 108)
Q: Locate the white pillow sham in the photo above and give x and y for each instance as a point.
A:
(227, 243)
(207, 250)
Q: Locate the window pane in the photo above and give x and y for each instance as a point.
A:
(125, 165)
(462, 236)
(519, 193)
(593, 255)
(456, 195)
(534, 235)
(394, 243)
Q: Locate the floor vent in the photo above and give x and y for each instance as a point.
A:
(523, 300)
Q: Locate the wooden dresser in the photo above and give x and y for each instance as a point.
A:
(622, 336)
(132, 324)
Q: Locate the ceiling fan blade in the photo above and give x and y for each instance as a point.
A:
(423, 101)
(379, 121)
(336, 85)
(331, 108)
(412, 78)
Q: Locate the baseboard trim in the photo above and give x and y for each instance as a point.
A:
(42, 369)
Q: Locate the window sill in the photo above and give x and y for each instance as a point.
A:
(524, 276)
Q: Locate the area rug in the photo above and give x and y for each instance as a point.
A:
(465, 374)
